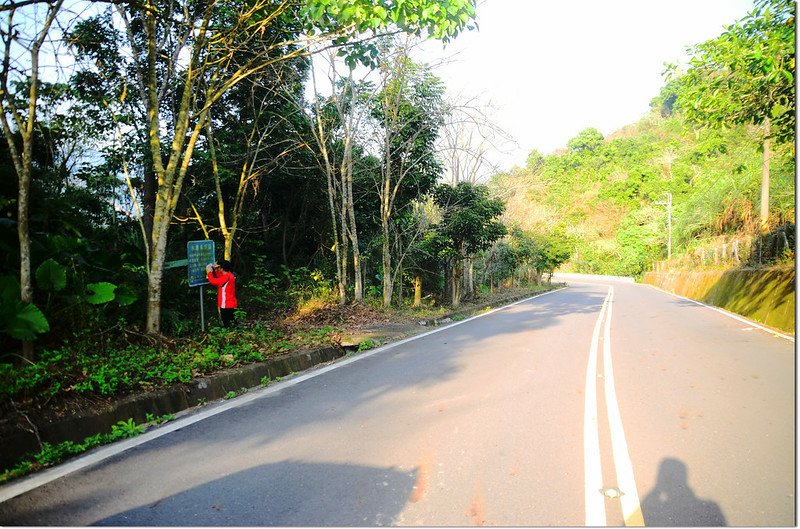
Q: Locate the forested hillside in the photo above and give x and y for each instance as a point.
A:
(716, 154)
(609, 194)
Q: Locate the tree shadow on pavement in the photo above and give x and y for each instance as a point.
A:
(288, 493)
(672, 503)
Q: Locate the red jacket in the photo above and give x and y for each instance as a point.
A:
(226, 288)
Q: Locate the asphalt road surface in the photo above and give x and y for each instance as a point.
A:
(604, 403)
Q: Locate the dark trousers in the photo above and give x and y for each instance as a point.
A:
(227, 316)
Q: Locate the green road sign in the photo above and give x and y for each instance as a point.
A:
(176, 264)
(199, 254)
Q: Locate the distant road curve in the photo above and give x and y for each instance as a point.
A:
(590, 278)
(560, 276)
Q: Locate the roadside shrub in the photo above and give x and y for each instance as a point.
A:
(105, 366)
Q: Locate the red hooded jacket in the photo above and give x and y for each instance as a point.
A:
(226, 288)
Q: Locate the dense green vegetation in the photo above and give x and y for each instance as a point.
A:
(606, 193)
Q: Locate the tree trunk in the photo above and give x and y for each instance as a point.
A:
(472, 291)
(23, 231)
(385, 213)
(457, 273)
(341, 276)
(400, 289)
(448, 281)
(417, 290)
(149, 198)
(227, 233)
(344, 239)
(347, 191)
(469, 282)
(387, 267)
(322, 143)
(154, 276)
(765, 158)
(171, 176)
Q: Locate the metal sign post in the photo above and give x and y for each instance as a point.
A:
(202, 312)
(199, 254)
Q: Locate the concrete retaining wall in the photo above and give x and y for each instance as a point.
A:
(764, 295)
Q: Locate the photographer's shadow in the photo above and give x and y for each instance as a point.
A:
(673, 503)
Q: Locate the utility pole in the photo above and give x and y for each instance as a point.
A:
(668, 203)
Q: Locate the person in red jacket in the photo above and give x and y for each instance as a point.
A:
(220, 276)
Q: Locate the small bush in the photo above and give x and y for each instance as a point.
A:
(367, 344)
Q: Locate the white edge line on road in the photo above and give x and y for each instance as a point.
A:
(592, 470)
(631, 508)
(727, 313)
(97, 455)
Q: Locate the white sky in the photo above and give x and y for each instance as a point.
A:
(553, 68)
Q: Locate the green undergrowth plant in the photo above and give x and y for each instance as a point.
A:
(50, 454)
(367, 344)
(109, 365)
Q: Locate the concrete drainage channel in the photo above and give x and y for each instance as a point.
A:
(180, 397)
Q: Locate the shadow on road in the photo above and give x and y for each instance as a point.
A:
(288, 493)
(672, 503)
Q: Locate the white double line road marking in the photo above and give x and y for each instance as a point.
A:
(593, 475)
(592, 471)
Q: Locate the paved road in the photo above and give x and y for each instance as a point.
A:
(602, 403)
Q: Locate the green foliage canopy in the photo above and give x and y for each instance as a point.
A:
(469, 218)
(746, 75)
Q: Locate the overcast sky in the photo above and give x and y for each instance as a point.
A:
(553, 68)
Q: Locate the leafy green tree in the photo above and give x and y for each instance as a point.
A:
(470, 223)
(664, 102)
(502, 262)
(641, 238)
(746, 76)
(587, 140)
(554, 249)
(534, 161)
